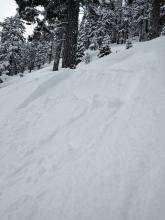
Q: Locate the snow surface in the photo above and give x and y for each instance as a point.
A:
(87, 144)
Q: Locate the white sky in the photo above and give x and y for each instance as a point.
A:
(7, 9)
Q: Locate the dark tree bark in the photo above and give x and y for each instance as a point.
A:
(143, 32)
(12, 67)
(129, 2)
(71, 34)
(155, 19)
(50, 55)
(57, 49)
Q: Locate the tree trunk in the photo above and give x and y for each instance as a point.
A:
(12, 67)
(71, 34)
(155, 19)
(50, 58)
(141, 30)
(57, 49)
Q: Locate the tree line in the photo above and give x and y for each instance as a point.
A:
(60, 34)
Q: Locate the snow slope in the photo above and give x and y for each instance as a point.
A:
(87, 144)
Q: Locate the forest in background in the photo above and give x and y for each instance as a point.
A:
(60, 35)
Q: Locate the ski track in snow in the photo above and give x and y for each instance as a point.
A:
(86, 144)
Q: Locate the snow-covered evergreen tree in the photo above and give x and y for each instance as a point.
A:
(31, 53)
(141, 19)
(39, 48)
(105, 47)
(96, 24)
(81, 41)
(106, 24)
(12, 47)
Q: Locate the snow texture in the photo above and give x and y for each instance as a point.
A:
(86, 144)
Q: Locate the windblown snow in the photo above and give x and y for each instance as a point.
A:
(86, 144)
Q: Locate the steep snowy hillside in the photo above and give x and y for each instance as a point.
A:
(87, 144)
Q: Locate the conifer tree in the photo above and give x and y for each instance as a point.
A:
(66, 11)
(31, 54)
(82, 42)
(140, 19)
(105, 47)
(12, 51)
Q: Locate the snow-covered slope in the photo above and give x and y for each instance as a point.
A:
(87, 144)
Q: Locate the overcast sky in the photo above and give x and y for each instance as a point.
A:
(7, 8)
